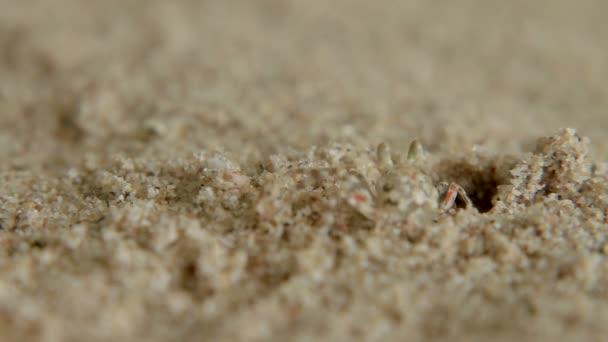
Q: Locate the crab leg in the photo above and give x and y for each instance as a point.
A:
(450, 196)
(465, 198)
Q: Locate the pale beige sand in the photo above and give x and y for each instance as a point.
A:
(207, 170)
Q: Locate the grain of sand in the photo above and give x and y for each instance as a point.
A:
(207, 170)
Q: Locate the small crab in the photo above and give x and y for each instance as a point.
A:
(416, 151)
(402, 183)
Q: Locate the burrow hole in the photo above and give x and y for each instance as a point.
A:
(479, 180)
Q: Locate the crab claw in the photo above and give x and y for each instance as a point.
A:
(453, 190)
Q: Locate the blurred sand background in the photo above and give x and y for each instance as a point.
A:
(91, 91)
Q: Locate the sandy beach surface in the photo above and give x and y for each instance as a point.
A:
(277, 170)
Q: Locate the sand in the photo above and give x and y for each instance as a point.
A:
(243, 170)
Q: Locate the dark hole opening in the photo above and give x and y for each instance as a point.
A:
(482, 195)
(480, 181)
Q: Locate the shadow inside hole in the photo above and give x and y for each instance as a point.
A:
(480, 181)
(482, 195)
